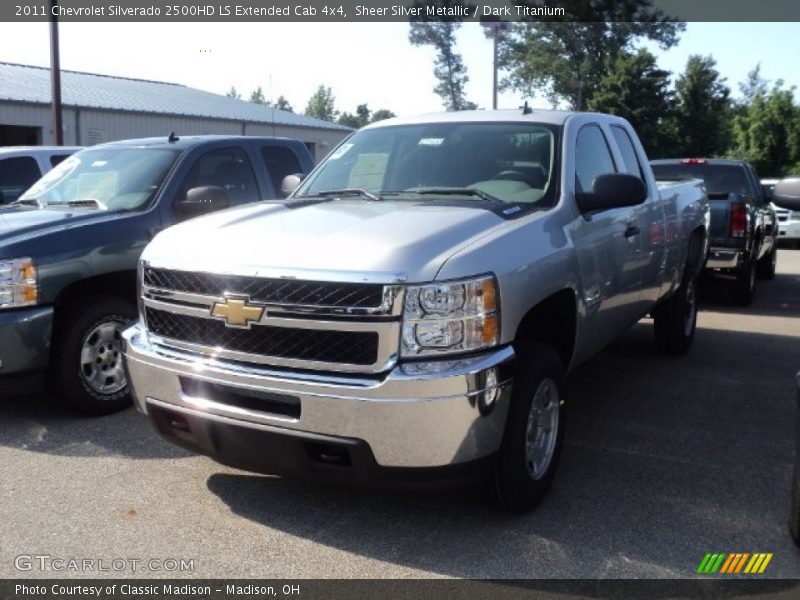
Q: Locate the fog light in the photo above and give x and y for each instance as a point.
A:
(487, 398)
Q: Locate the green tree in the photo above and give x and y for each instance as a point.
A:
(257, 96)
(364, 116)
(566, 59)
(449, 68)
(767, 131)
(232, 93)
(322, 104)
(382, 114)
(283, 104)
(703, 113)
(358, 120)
(636, 89)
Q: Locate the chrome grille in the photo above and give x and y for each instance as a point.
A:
(352, 347)
(320, 325)
(268, 291)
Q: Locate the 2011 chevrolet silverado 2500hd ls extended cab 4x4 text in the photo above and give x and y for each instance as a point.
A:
(411, 312)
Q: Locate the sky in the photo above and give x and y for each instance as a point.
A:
(369, 63)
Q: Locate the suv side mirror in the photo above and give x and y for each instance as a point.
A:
(786, 193)
(202, 200)
(612, 190)
(290, 183)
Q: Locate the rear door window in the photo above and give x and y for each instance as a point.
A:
(17, 174)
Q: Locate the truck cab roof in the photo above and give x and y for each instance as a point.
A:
(190, 141)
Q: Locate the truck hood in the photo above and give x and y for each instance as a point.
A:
(340, 239)
(18, 222)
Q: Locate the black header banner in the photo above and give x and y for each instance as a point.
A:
(333, 11)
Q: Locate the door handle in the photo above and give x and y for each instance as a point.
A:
(632, 230)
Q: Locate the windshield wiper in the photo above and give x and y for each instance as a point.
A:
(343, 192)
(453, 191)
(87, 202)
(27, 202)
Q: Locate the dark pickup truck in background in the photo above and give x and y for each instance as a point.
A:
(70, 245)
(744, 227)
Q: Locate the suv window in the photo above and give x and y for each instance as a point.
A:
(17, 174)
(630, 159)
(280, 162)
(228, 168)
(592, 157)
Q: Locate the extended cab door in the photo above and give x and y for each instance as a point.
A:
(649, 217)
(608, 245)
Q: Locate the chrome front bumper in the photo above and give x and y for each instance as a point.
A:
(419, 415)
(723, 258)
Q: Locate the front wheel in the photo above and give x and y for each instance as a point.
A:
(86, 369)
(534, 432)
(675, 321)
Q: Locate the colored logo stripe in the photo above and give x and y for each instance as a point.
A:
(735, 562)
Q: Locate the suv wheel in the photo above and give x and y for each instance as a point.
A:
(534, 432)
(744, 287)
(86, 370)
(768, 263)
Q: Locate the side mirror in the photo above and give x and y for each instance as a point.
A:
(786, 193)
(290, 183)
(612, 190)
(202, 200)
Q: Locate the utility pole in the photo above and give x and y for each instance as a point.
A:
(498, 29)
(55, 77)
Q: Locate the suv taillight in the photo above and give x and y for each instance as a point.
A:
(738, 220)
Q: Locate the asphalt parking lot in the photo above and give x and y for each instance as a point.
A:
(666, 460)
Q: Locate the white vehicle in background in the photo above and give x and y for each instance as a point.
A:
(788, 220)
(22, 166)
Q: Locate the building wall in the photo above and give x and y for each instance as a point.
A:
(86, 127)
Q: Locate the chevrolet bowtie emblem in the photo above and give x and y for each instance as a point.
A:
(237, 312)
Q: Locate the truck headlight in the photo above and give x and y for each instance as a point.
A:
(450, 317)
(18, 283)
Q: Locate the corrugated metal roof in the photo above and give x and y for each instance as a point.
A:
(25, 83)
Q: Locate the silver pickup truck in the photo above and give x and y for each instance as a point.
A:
(408, 314)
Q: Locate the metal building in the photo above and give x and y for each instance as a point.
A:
(102, 108)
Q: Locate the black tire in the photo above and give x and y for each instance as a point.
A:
(794, 514)
(94, 325)
(743, 288)
(515, 483)
(768, 263)
(675, 320)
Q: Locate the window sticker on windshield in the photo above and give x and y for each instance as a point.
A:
(431, 141)
(99, 163)
(340, 151)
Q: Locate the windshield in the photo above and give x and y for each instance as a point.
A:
(719, 179)
(106, 178)
(474, 162)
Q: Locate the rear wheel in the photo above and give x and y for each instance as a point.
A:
(744, 287)
(534, 432)
(86, 368)
(768, 263)
(675, 321)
